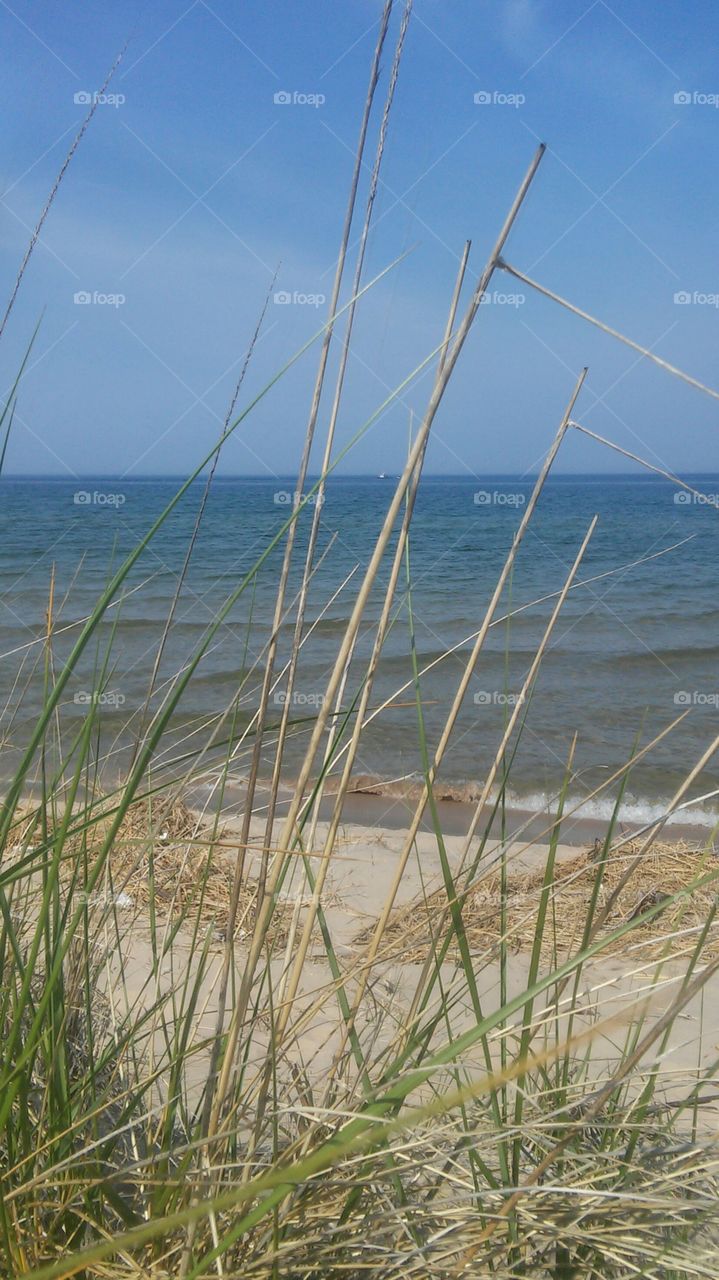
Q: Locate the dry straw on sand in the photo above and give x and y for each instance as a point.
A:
(665, 869)
(165, 855)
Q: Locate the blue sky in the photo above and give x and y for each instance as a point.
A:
(185, 197)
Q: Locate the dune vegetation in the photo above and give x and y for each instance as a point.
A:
(205, 1071)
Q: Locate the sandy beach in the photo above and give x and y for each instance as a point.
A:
(643, 974)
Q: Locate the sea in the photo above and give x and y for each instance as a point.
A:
(634, 647)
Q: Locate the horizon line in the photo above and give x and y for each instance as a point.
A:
(354, 475)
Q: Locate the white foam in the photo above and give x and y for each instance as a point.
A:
(633, 810)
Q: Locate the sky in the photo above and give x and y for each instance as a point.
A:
(223, 154)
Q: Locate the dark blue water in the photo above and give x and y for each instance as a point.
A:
(628, 654)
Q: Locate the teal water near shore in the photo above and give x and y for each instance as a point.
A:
(630, 651)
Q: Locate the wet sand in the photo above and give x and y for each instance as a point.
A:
(370, 806)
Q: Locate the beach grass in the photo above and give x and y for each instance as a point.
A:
(204, 1072)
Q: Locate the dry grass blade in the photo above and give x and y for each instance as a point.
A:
(96, 99)
(213, 1110)
(331, 428)
(613, 333)
(290, 825)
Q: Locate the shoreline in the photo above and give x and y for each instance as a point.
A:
(368, 804)
(373, 804)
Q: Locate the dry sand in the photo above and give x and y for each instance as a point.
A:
(362, 870)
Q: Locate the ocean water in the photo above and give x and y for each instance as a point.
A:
(630, 651)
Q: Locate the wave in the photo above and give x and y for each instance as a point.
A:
(635, 810)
